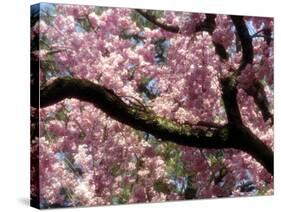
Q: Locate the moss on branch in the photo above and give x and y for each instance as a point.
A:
(162, 128)
(106, 100)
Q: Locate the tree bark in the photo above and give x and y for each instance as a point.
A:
(162, 128)
(140, 119)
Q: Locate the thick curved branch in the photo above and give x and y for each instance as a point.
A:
(147, 121)
(256, 90)
(240, 135)
(251, 144)
(248, 142)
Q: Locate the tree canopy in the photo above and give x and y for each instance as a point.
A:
(144, 106)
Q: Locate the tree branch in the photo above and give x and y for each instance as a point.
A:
(162, 128)
(147, 121)
(257, 91)
(153, 19)
(246, 41)
(229, 94)
(207, 25)
(241, 136)
(248, 142)
(252, 144)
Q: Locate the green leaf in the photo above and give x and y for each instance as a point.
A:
(61, 115)
(126, 193)
(161, 186)
(100, 10)
(123, 197)
(50, 137)
(142, 21)
(84, 23)
(157, 13)
(115, 200)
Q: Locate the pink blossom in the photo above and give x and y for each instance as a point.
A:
(88, 158)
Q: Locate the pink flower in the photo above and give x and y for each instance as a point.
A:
(138, 193)
(93, 18)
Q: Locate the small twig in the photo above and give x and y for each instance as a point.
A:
(153, 19)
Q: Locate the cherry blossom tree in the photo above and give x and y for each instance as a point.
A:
(147, 106)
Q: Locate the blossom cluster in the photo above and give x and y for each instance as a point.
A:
(87, 158)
